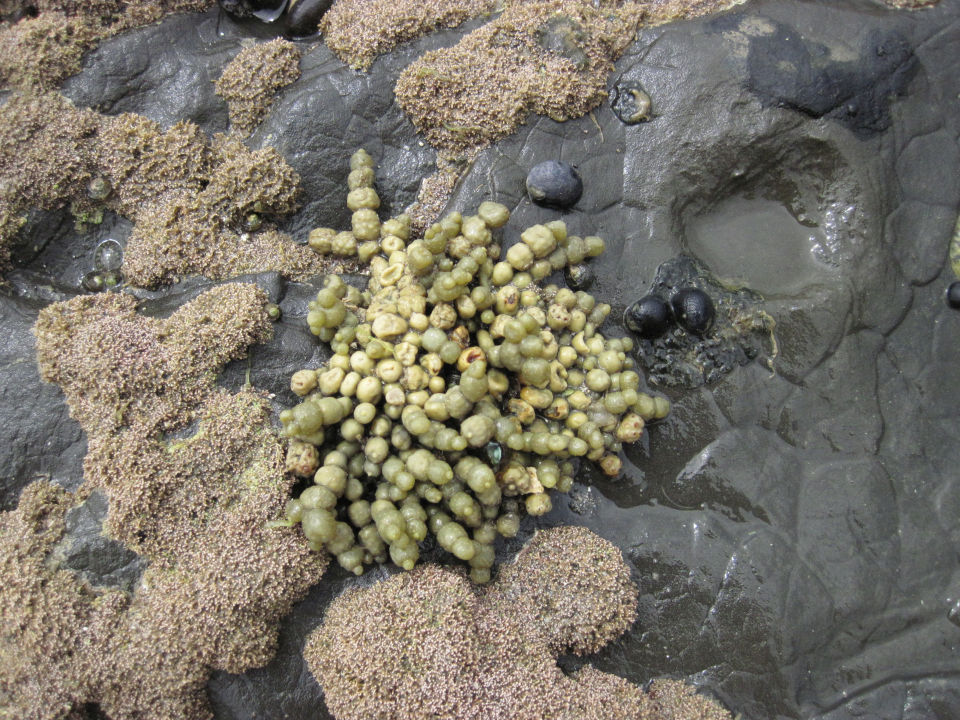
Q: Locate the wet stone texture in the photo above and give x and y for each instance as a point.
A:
(794, 530)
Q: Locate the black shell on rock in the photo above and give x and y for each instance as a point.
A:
(554, 184)
(578, 277)
(953, 295)
(693, 310)
(648, 317)
(303, 17)
(263, 10)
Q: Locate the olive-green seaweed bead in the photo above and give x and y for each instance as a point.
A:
(317, 497)
(359, 513)
(319, 525)
(493, 214)
(332, 477)
(661, 407)
(352, 560)
(538, 504)
(449, 352)
(508, 524)
(361, 177)
(363, 197)
(576, 250)
(294, 510)
(354, 489)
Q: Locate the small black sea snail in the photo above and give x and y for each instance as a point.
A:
(693, 310)
(649, 317)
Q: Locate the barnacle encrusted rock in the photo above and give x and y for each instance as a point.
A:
(429, 644)
(195, 506)
(251, 79)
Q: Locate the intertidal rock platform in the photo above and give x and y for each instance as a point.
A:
(790, 528)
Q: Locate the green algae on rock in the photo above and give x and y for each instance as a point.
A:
(195, 507)
(251, 79)
(428, 643)
(450, 349)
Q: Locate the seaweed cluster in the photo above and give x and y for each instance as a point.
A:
(430, 644)
(460, 391)
(44, 41)
(253, 77)
(194, 506)
(199, 205)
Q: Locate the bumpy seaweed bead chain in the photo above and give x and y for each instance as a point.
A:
(450, 358)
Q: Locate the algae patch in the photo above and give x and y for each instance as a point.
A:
(250, 81)
(360, 30)
(429, 643)
(40, 52)
(218, 581)
(192, 199)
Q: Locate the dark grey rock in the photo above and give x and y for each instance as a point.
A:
(39, 439)
(302, 19)
(84, 550)
(788, 69)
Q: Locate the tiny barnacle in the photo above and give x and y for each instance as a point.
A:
(631, 103)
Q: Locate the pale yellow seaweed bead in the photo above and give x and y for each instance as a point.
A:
(494, 214)
(540, 240)
(630, 428)
(475, 230)
(368, 250)
(559, 229)
(320, 240)
(361, 159)
(520, 256)
(365, 224)
(344, 243)
(398, 227)
(303, 381)
(388, 326)
(363, 198)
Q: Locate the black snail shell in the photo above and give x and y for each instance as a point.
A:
(648, 317)
(554, 184)
(693, 310)
(953, 295)
(263, 10)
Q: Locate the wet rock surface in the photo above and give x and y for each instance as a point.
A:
(794, 531)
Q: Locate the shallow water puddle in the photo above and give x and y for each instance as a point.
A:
(759, 244)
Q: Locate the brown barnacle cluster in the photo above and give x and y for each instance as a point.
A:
(460, 392)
